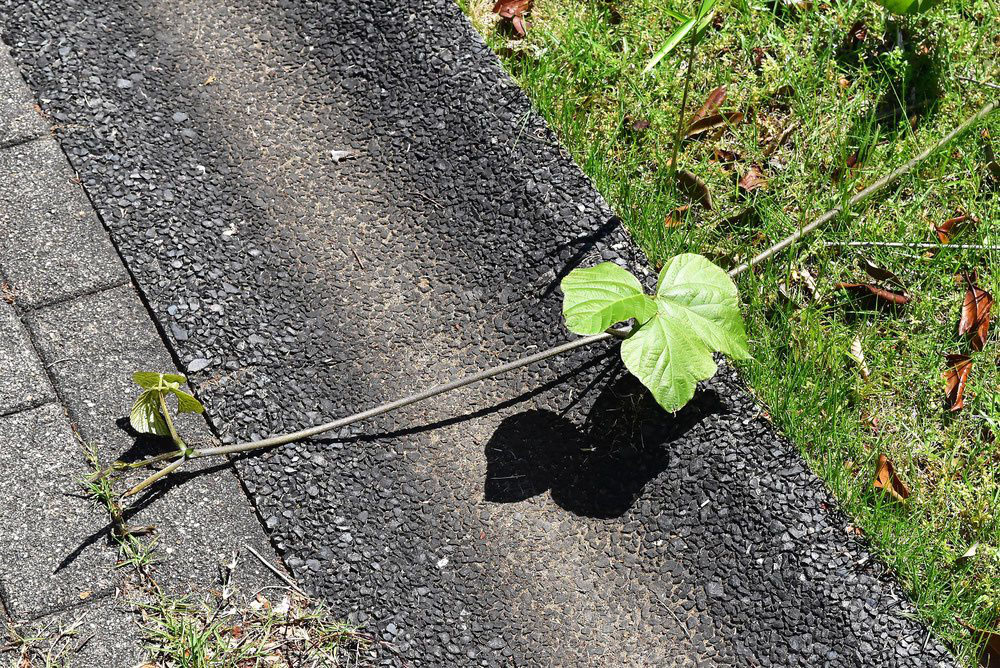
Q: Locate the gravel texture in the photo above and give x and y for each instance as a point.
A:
(553, 517)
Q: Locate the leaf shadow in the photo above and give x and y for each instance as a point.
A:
(598, 470)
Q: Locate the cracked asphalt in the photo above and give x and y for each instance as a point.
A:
(328, 206)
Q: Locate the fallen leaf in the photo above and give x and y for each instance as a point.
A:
(508, 9)
(989, 655)
(694, 188)
(945, 230)
(807, 280)
(880, 274)
(753, 179)
(724, 156)
(992, 166)
(858, 33)
(339, 156)
(881, 295)
(955, 377)
(637, 125)
(968, 556)
(858, 355)
(886, 479)
(711, 105)
(975, 319)
(676, 217)
(779, 141)
(711, 122)
(520, 24)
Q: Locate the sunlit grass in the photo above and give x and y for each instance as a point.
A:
(882, 100)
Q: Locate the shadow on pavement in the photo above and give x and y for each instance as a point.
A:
(599, 470)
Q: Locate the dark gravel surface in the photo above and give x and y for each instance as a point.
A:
(553, 517)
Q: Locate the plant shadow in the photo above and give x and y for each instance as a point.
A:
(598, 470)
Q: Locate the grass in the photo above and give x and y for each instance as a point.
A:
(292, 632)
(881, 99)
(217, 629)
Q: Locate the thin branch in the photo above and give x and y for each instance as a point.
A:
(875, 187)
(900, 244)
(978, 82)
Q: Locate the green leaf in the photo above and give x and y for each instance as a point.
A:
(187, 403)
(152, 380)
(697, 313)
(908, 6)
(598, 297)
(145, 415)
(671, 43)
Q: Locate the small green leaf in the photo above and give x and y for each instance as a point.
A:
(671, 43)
(187, 403)
(908, 6)
(697, 313)
(152, 380)
(598, 297)
(145, 415)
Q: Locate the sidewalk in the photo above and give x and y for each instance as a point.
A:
(72, 331)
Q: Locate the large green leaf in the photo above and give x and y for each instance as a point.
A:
(187, 403)
(697, 314)
(145, 415)
(598, 297)
(908, 6)
(152, 380)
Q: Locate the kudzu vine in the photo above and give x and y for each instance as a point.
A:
(693, 313)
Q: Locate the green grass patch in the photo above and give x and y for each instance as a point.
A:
(800, 75)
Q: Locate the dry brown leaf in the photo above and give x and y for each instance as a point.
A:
(947, 230)
(676, 217)
(711, 105)
(858, 355)
(724, 156)
(969, 555)
(753, 179)
(975, 319)
(955, 378)
(638, 125)
(886, 479)
(881, 295)
(508, 9)
(694, 188)
(520, 24)
(857, 34)
(880, 273)
(989, 654)
(712, 122)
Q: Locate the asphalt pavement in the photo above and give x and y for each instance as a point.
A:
(329, 205)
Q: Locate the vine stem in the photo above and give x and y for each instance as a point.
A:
(684, 101)
(187, 453)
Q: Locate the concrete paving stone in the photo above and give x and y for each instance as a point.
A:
(52, 246)
(52, 549)
(23, 379)
(105, 337)
(19, 120)
(104, 635)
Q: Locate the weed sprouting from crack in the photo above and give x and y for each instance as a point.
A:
(214, 631)
(41, 646)
(293, 631)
